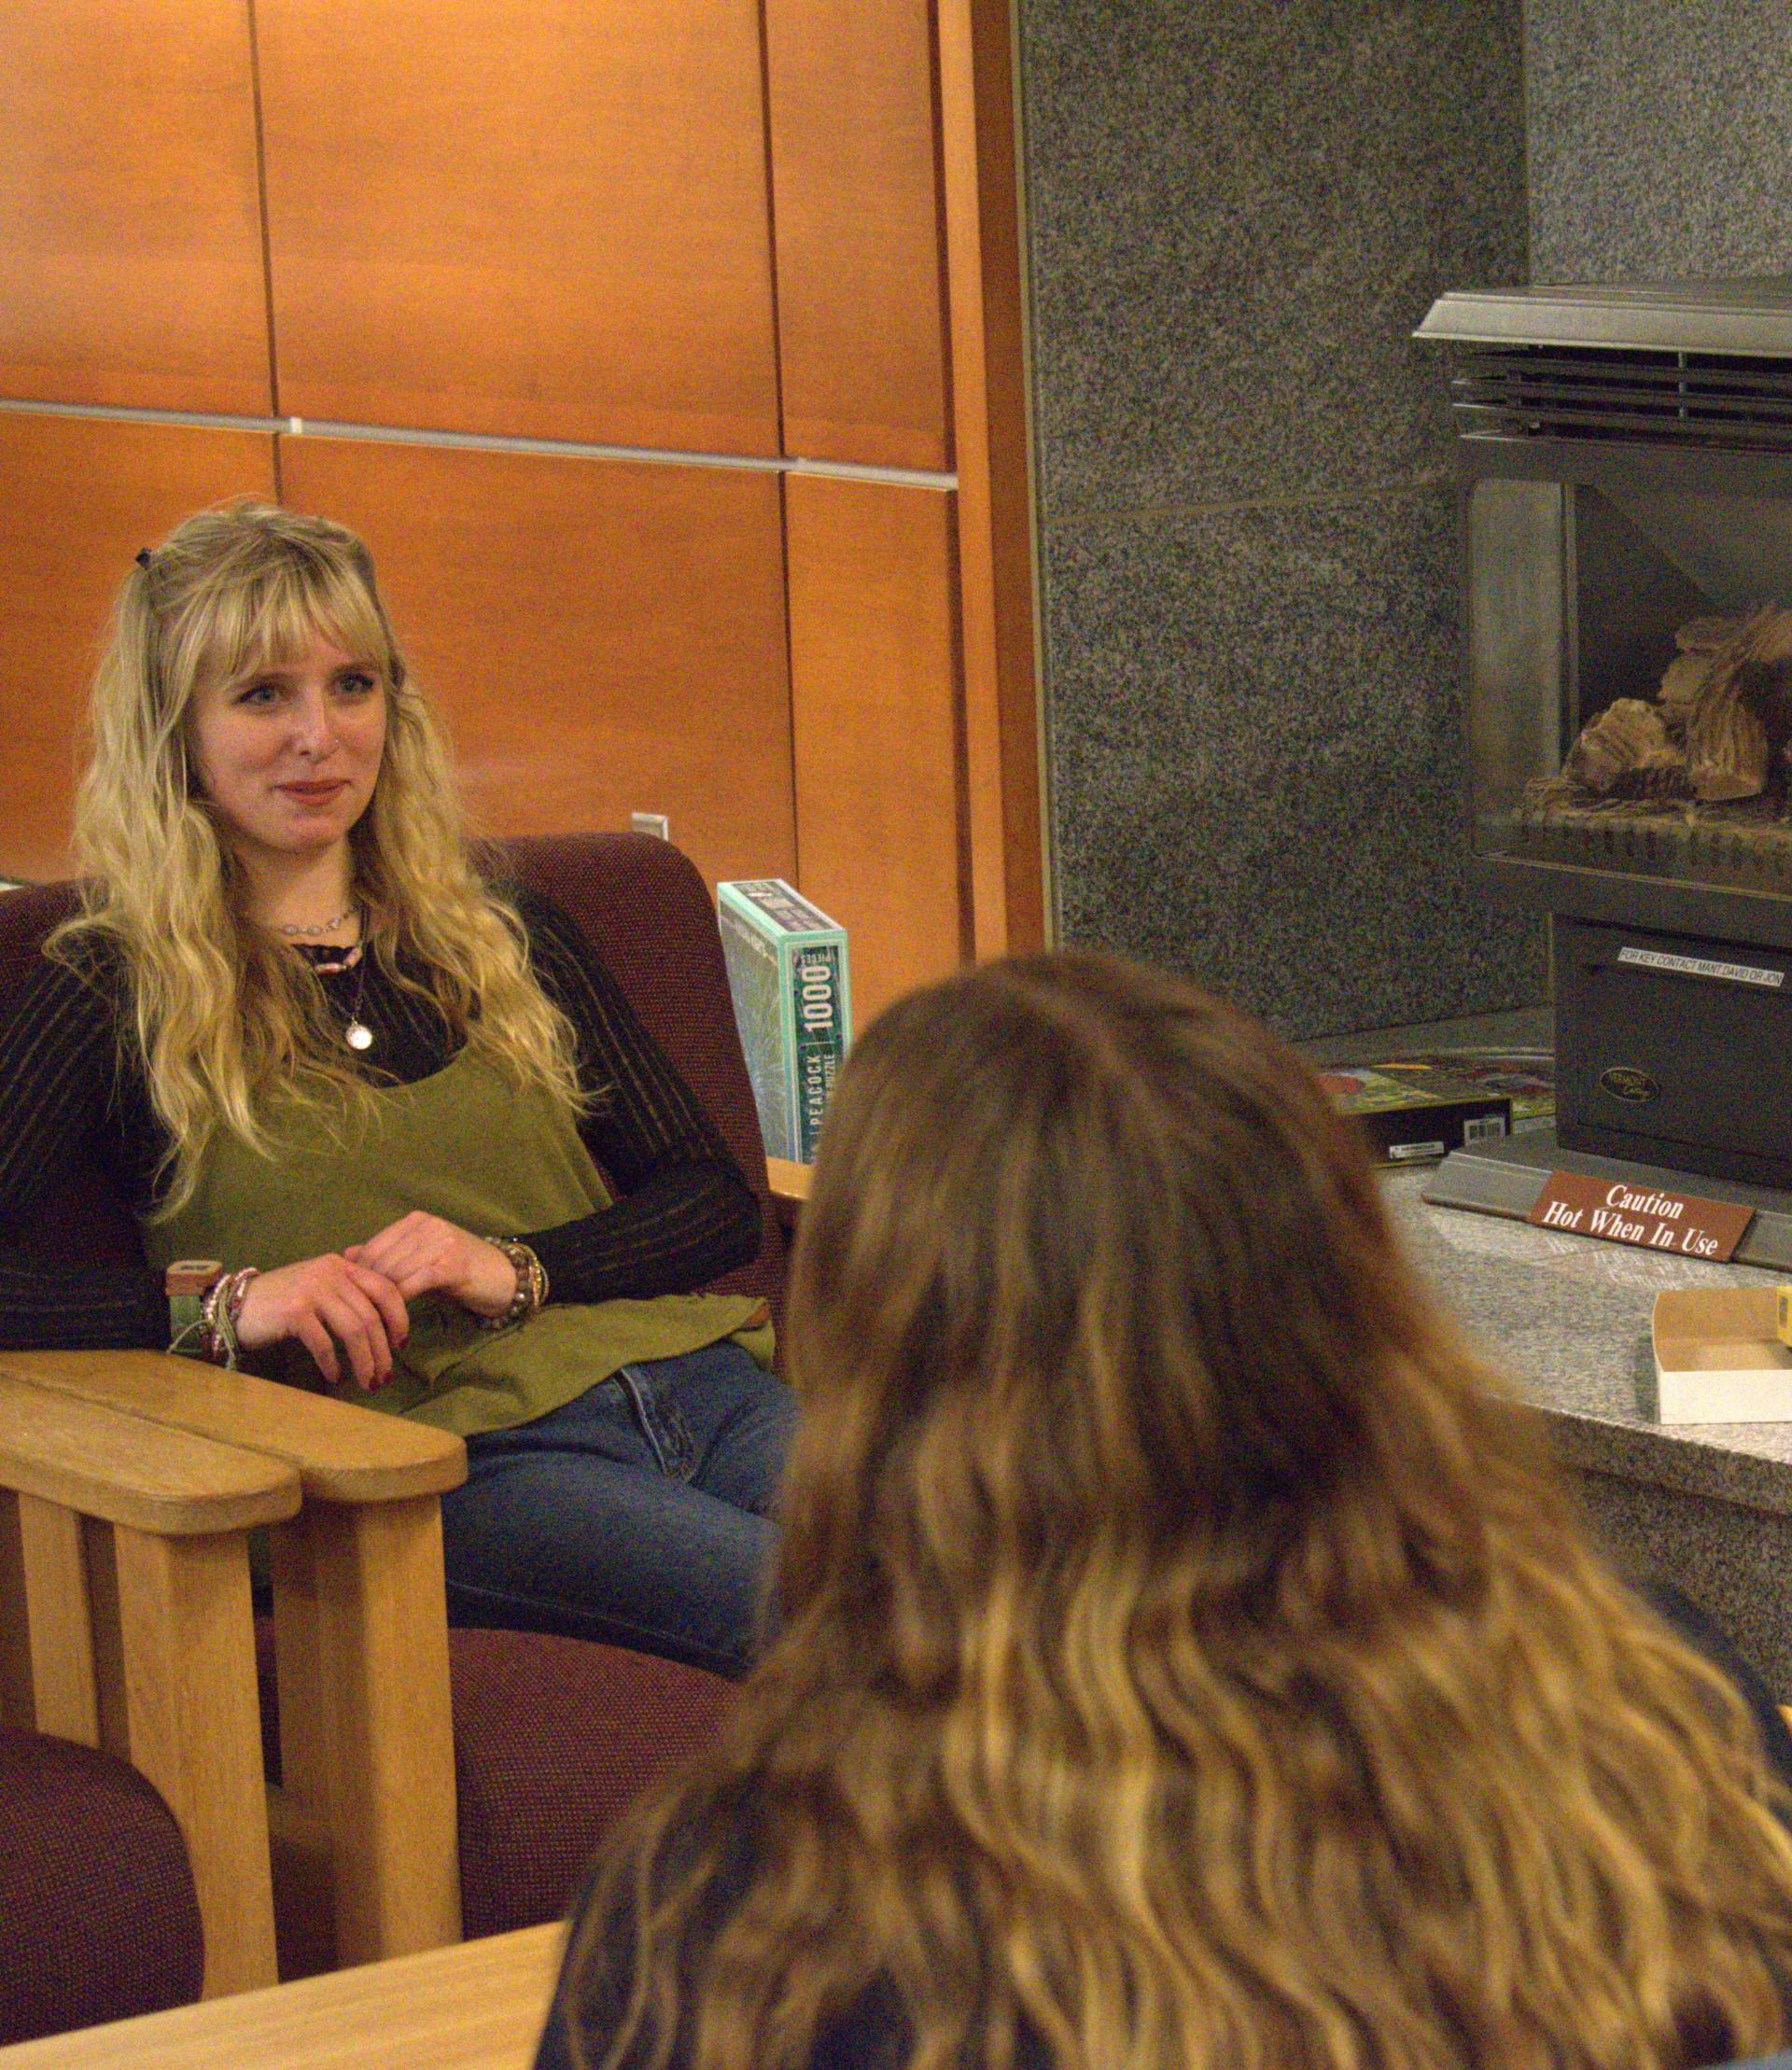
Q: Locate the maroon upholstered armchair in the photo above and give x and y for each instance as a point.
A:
(641, 902)
(644, 907)
(551, 1738)
(95, 1887)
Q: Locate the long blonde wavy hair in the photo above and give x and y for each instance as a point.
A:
(226, 1017)
(1189, 1657)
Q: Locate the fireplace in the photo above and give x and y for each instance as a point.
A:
(1625, 467)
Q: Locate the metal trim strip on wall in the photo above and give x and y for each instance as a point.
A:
(479, 441)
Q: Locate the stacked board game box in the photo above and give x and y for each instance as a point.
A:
(788, 972)
(1526, 1076)
(1411, 1109)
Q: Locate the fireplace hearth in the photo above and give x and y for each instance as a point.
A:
(1625, 470)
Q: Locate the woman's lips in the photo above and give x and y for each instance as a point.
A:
(312, 793)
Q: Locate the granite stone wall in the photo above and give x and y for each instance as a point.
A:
(1658, 138)
(1249, 561)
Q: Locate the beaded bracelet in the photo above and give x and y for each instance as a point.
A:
(217, 1316)
(531, 1283)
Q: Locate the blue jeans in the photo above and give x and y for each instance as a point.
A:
(639, 1514)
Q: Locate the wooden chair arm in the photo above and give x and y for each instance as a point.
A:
(96, 1461)
(366, 1817)
(790, 1188)
(476, 2008)
(342, 1453)
(125, 1624)
(789, 1182)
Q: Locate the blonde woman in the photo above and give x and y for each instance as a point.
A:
(1190, 1661)
(318, 1049)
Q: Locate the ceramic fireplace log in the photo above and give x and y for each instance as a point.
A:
(1717, 732)
(1626, 753)
(1740, 718)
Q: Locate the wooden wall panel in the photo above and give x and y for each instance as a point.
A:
(129, 225)
(875, 704)
(860, 294)
(78, 498)
(540, 217)
(1003, 777)
(603, 636)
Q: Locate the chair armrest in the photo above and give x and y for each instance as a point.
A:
(790, 1188)
(89, 1458)
(359, 1618)
(342, 1453)
(478, 2005)
(125, 1623)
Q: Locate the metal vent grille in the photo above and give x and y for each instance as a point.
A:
(1658, 397)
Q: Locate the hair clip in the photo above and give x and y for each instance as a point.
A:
(142, 556)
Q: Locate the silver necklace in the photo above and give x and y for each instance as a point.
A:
(323, 927)
(356, 1033)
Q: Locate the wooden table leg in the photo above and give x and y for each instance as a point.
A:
(366, 1731)
(192, 1718)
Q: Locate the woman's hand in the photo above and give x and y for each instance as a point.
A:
(420, 1253)
(326, 1302)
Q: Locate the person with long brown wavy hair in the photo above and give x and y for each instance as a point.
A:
(1190, 1659)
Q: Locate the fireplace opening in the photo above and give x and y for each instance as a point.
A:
(1624, 470)
(1633, 712)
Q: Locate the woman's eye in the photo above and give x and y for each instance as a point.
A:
(258, 693)
(357, 685)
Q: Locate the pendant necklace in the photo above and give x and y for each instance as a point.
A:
(357, 1034)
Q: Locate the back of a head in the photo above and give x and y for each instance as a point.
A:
(1188, 1657)
(1090, 1249)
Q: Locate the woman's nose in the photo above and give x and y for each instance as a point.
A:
(314, 724)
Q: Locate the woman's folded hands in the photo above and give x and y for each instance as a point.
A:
(349, 1306)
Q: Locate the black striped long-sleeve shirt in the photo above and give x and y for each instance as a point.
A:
(70, 1085)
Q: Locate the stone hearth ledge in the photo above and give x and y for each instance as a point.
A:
(1565, 1319)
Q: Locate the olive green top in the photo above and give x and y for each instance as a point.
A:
(467, 1144)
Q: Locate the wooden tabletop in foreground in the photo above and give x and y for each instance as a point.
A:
(476, 2007)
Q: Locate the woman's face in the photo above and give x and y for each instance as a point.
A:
(289, 756)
